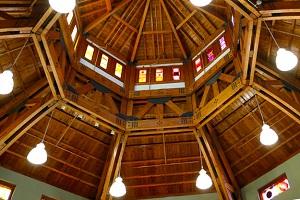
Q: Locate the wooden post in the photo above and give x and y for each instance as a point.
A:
(119, 163)
(102, 192)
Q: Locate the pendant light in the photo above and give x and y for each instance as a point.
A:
(6, 77)
(63, 6)
(118, 188)
(38, 155)
(200, 3)
(285, 60)
(6, 82)
(203, 181)
(267, 136)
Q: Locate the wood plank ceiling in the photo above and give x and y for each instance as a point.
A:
(158, 161)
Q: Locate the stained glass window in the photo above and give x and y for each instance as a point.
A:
(142, 76)
(159, 76)
(198, 64)
(118, 70)
(274, 188)
(176, 74)
(104, 61)
(6, 190)
(210, 55)
(89, 52)
(222, 43)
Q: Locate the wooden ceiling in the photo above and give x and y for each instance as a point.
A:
(158, 151)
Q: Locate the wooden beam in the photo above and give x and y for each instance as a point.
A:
(216, 163)
(209, 165)
(22, 119)
(44, 65)
(216, 102)
(280, 7)
(108, 5)
(173, 29)
(239, 9)
(137, 41)
(246, 50)
(174, 107)
(97, 21)
(143, 111)
(102, 192)
(255, 51)
(120, 156)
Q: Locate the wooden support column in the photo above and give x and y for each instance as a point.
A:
(119, 163)
(246, 50)
(217, 165)
(225, 162)
(209, 165)
(103, 191)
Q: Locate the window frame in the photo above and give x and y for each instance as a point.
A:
(273, 182)
(156, 73)
(10, 186)
(121, 73)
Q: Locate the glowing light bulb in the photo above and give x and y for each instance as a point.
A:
(6, 82)
(286, 60)
(118, 188)
(38, 155)
(63, 6)
(200, 3)
(204, 181)
(268, 136)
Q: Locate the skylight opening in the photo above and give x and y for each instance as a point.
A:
(176, 74)
(104, 61)
(119, 70)
(89, 52)
(142, 76)
(70, 17)
(159, 76)
(74, 33)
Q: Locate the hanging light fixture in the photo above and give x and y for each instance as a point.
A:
(267, 136)
(38, 155)
(203, 181)
(285, 60)
(118, 188)
(6, 82)
(200, 3)
(63, 6)
(6, 77)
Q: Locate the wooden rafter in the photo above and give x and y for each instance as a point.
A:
(162, 2)
(137, 41)
(104, 17)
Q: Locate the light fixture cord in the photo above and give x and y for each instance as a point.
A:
(70, 124)
(262, 117)
(18, 56)
(201, 159)
(271, 34)
(46, 130)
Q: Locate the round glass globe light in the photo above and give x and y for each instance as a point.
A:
(118, 188)
(38, 155)
(200, 3)
(286, 60)
(268, 136)
(6, 82)
(203, 181)
(62, 6)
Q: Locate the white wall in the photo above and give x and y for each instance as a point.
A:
(31, 189)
